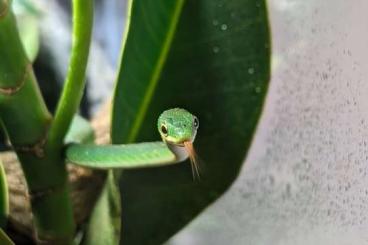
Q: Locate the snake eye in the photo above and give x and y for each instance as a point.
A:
(196, 122)
(164, 129)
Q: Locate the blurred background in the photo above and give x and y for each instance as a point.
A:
(305, 178)
(48, 24)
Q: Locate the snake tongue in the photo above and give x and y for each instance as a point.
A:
(188, 145)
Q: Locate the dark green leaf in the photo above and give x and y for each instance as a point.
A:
(218, 68)
(153, 24)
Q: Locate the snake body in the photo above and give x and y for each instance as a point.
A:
(120, 156)
(177, 128)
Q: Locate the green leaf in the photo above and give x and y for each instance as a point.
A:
(27, 16)
(217, 67)
(80, 131)
(149, 40)
(29, 34)
(4, 197)
(104, 224)
(4, 239)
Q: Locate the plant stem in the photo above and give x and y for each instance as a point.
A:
(26, 120)
(75, 80)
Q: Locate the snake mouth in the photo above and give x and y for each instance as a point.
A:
(180, 143)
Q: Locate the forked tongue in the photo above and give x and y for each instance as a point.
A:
(193, 159)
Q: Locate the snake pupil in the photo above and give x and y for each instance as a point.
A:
(196, 123)
(164, 129)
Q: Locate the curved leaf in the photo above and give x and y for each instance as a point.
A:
(104, 224)
(147, 45)
(4, 239)
(29, 34)
(80, 131)
(217, 67)
(4, 197)
(27, 22)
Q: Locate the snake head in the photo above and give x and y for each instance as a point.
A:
(177, 126)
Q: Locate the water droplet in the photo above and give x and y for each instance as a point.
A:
(258, 89)
(216, 49)
(270, 180)
(288, 189)
(251, 70)
(224, 27)
(215, 22)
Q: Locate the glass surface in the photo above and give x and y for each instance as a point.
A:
(305, 179)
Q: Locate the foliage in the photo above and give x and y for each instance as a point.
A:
(210, 57)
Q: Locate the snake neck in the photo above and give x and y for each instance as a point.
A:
(179, 151)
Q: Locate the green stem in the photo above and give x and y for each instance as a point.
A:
(75, 80)
(26, 120)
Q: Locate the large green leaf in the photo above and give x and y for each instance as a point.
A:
(217, 67)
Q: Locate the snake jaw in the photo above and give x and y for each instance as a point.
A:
(178, 141)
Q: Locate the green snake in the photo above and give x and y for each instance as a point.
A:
(177, 127)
